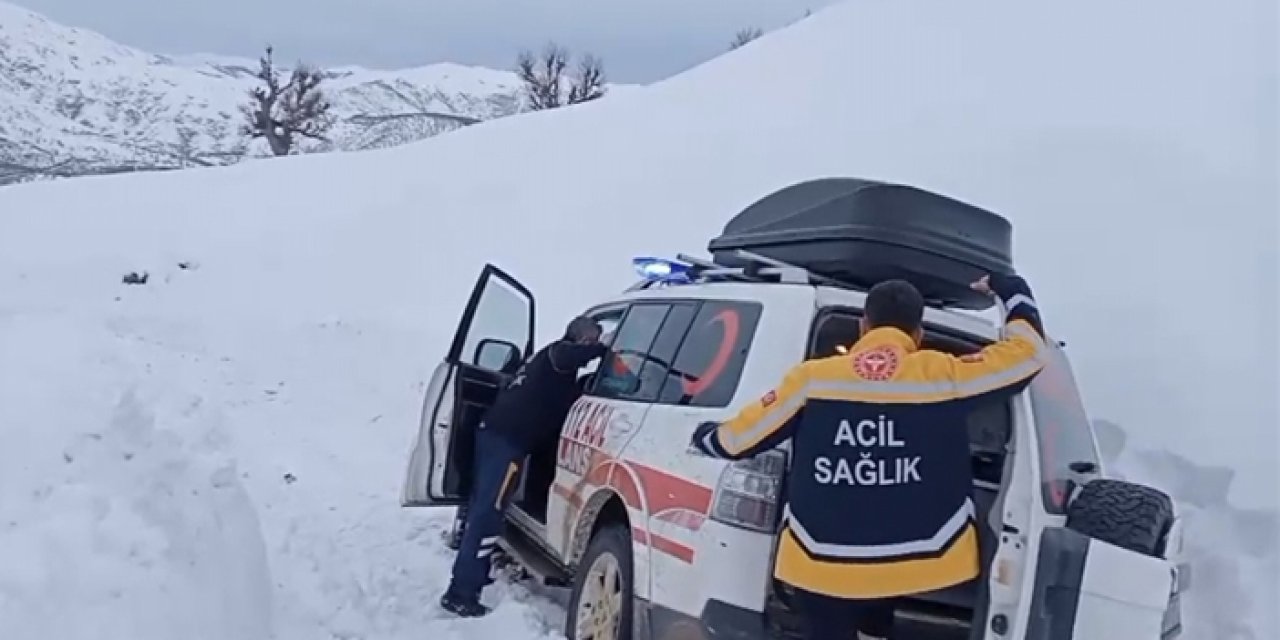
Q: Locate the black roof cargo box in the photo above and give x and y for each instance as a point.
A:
(862, 232)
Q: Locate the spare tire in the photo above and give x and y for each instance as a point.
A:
(1129, 516)
(862, 232)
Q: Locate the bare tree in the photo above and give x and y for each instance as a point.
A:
(744, 36)
(545, 83)
(186, 148)
(588, 84)
(280, 112)
(543, 76)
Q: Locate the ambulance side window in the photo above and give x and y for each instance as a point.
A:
(640, 355)
(609, 319)
(657, 365)
(706, 369)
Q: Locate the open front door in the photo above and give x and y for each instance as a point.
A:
(493, 338)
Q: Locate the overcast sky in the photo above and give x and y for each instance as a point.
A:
(640, 40)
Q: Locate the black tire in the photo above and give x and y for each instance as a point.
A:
(1129, 516)
(612, 539)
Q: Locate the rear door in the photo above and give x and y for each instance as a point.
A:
(1085, 589)
(493, 338)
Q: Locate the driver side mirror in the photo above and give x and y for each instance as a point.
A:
(497, 355)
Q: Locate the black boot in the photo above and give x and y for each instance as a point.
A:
(463, 607)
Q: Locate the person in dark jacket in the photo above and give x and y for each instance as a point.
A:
(527, 414)
(878, 500)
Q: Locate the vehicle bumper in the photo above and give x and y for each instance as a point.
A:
(719, 620)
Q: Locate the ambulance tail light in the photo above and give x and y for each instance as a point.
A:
(749, 493)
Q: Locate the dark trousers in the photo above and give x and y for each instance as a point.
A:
(831, 618)
(496, 476)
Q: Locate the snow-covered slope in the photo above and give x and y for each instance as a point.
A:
(218, 453)
(74, 102)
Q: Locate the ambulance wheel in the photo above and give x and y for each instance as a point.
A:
(601, 606)
(1129, 516)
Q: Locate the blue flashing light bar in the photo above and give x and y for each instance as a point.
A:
(662, 270)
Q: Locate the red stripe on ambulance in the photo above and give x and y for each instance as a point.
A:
(658, 494)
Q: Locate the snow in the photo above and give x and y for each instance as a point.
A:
(218, 453)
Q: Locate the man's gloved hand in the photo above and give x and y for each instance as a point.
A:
(699, 438)
(1015, 294)
(1002, 285)
(704, 428)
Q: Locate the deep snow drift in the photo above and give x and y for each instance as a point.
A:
(218, 453)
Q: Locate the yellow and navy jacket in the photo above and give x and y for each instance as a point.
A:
(878, 499)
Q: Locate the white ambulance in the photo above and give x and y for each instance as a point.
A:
(659, 543)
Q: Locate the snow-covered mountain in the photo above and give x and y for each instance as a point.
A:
(74, 102)
(217, 454)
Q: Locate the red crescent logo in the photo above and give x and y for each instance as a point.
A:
(729, 319)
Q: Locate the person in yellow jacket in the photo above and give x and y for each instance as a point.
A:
(878, 501)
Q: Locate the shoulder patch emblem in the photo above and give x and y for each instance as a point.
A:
(769, 398)
(972, 357)
(879, 363)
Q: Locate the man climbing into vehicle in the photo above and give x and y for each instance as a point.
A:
(527, 414)
(879, 505)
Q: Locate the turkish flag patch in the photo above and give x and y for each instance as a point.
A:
(878, 363)
(769, 399)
